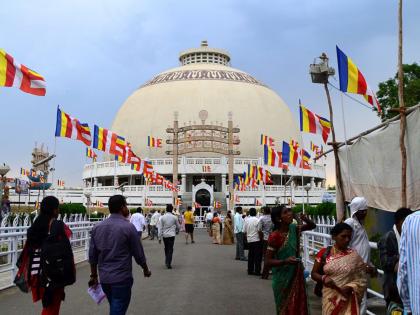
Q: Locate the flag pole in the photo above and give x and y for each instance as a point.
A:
(347, 148)
(301, 167)
(403, 122)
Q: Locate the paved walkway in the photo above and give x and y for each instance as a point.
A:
(205, 280)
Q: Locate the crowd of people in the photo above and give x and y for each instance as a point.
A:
(272, 239)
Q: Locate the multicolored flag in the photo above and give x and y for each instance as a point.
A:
(109, 142)
(305, 159)
(273, 157)
(91, 154)
(20, 76)
(69, 127)
(285, 152)
(148, 202)
(217, 204)
(266, 140)
(353, 81)
(312, 123)
(60, 183)
(314, 147)
(24, 172)
(154, 142)
(98, 204)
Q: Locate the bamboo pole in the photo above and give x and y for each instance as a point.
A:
(403, 121)
(340, 208)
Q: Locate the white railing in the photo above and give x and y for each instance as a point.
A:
(12, 240)
(313, 241)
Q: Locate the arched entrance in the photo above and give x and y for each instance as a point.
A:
(203, 197)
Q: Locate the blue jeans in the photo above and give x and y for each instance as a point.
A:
(119, 296)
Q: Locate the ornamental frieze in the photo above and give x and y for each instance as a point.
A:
(185, 75)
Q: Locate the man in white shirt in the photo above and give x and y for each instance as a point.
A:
(250, 230)
(138, 220)
(153, 224)
(168, 227)
(360, 240)
(238, 227)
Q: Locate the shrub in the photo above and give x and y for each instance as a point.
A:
(72, 208)
(325, 209)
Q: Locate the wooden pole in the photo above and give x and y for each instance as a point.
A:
(230, 161)
(340, 208)
(403, 121)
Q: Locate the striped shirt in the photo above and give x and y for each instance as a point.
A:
(409, 267)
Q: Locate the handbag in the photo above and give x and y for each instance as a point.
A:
(21, 278)
(319, 285)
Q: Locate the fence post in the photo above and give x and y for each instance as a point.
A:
(14, 257)
(305, 250)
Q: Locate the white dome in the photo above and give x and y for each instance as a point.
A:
(204, 84)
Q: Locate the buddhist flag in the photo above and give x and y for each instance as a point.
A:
(91, 154)
(60, 183)
(273, 157)
(266, 140)
(353, 81)
(24, 172)
(70, 127)
(20, 76)
(305, 159)
(285, 152)
(312, 123)
(154, 142)
(109, 142)
(314, 147)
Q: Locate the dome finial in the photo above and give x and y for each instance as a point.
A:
(204, 54)
(204, 43)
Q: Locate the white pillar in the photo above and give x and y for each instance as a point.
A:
(116, 181)
(224, 183)
(184, 182)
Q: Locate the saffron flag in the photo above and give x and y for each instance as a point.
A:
(91, 154)
(20, 76)
(266, 140)
(353, 81)
(154, 142)
(312, 123)
(69, 127)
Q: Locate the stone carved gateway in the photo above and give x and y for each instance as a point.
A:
(184, 75)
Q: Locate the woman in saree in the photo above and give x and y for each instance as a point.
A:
(215, 228)
(228, 230)
(283, 257)
(343, 274)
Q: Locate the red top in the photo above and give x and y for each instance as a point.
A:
(276, 239)
(332, 255)
(216, 220)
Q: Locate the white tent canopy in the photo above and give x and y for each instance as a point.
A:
(372, 167)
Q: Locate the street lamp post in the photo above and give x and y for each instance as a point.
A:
(284, 171)
(307, 187)
(88, 194)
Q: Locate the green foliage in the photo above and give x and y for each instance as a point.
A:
(388, 91)
(72, 208)
(325, 209)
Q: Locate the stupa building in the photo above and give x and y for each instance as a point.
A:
(205, 90)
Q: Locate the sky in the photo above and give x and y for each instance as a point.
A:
(94, 54)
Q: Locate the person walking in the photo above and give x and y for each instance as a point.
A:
(228, 238)
(168, 227)
(148, 217)
(153, 224)
(189, 225)
(265, 227)
(47, 233)
(283, 257)
(389, 255)
(341, 270)
(209, 218)
(139, 222)
(360, 240)
(250, 231)
(215, 228)
(238, 224)
(113, 243)
(408, 280)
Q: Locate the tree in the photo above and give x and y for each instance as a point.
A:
(388, 91)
